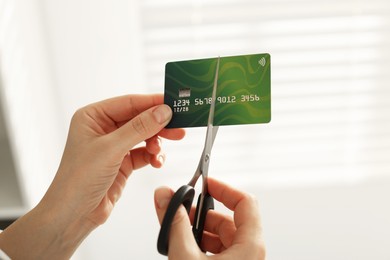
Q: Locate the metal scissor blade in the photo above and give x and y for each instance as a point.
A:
(211, 133)
(198, 171)
(205, 159)
(210, 126)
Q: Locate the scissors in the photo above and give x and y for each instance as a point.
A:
(185, 194)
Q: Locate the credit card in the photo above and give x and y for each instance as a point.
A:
(243, 91)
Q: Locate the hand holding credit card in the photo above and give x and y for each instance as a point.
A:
(243, 94)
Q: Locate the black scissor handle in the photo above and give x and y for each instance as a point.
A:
(184, 195)
(208, 204)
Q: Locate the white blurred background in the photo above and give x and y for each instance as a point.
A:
(320, 169)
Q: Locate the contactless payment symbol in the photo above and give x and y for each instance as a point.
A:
(262, 61)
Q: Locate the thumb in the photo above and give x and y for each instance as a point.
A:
(143, 126)
(182, 243)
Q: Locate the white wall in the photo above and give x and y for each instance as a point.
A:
(339, 222)
(29, 99)
(95, 50)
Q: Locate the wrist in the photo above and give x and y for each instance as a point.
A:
(44, 233)
(65, 228)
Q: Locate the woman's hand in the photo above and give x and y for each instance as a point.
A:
(239, 237)
(99, 157)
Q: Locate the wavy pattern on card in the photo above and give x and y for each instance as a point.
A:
(243, 92)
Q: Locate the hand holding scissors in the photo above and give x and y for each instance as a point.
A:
(185, 194)
(225, 237)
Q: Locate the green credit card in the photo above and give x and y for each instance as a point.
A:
(243, 90)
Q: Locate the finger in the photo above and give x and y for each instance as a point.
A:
(246, 212)
(139, 158)
(162, 197)
(182, 243)
(135, 159)
(220, 225)
(219, 231)
(172, 133)
(212, 243)
(157, 161)
(117, 187)
(153, 145)
(126, 107)
(142, 127)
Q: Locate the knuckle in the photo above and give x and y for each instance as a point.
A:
(254, 199)
(78, 114)
(251, 198)
(139, 126)
(256, 250)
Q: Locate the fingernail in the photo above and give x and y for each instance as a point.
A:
(116, 198)
(162, 113)
(159, 141)
(163, 196)
(161, 158)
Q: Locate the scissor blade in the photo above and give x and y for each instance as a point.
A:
(210, 124)
(198, 171)
(205, 159)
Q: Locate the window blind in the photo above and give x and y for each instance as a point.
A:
(330, 75)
